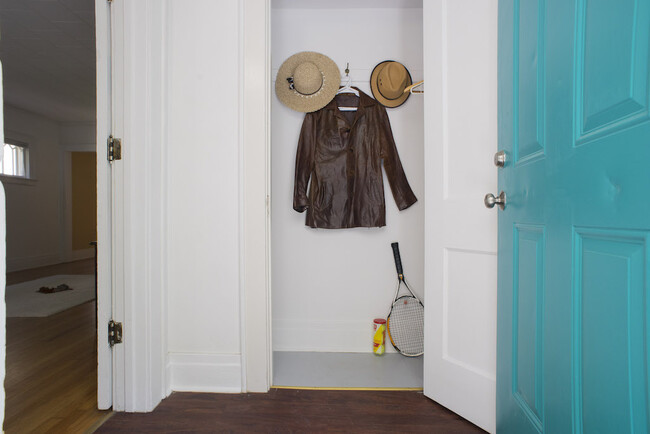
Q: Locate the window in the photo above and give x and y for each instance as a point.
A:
(15, 159)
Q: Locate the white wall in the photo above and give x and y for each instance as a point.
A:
(78, 134)
(329, 285)
(203, 195)
(34, 214)
(37, 226)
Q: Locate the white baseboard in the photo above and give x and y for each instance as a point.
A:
(26, 262)
(324, 336)
(77, 255)
(205, 372)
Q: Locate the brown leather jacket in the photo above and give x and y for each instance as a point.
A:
(342, 153)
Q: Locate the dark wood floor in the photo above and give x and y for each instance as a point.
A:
(51, 386)
(51, 380)
(287, 411)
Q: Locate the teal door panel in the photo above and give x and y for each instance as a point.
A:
(574, 238)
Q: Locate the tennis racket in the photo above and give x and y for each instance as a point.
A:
(405, 322)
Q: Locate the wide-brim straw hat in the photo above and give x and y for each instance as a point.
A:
(307, 81)
(388, 81)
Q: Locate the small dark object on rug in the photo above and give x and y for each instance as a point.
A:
(61, 287)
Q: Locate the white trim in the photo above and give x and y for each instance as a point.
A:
(240, 142)
(255, 181)
(139, 113)
(3, 272)
(25, 262)
(218, 373)
(104, 293)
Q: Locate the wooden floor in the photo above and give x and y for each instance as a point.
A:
(51, 386)
(288, 411)
(51, 381)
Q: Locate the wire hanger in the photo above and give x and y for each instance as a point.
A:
(414, 87)
(348, 89)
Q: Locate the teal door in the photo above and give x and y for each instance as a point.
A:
(574, 237)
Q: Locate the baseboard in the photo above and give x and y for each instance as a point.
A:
(220, 373)
(77, 255)
(324, 336)
(27, 262)
(168, 376)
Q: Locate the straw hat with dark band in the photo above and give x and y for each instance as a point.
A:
(307, 81)
(388, 81)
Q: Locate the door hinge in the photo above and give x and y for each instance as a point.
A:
(114, 148)
(114, 333)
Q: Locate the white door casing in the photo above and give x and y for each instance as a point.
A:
(255, 187)
(460, 58)
(131, 72)
(104, 273)
(3, 269)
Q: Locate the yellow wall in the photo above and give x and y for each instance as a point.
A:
(84, 199)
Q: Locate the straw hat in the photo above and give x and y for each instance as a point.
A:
(388, 81)
(307, 81)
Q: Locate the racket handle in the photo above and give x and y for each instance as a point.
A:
(398, 260)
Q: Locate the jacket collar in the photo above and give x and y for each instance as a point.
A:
(364, 101)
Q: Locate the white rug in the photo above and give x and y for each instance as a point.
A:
(24, 300)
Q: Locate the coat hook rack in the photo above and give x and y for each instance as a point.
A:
(415, 87)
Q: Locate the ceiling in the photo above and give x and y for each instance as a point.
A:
(47, 48)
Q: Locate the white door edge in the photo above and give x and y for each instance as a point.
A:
(3, 269)
(104, 269)
(255, 246)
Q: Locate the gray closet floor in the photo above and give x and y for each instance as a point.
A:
(333, 370)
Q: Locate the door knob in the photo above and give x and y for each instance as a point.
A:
(490, 200)
(500, 159)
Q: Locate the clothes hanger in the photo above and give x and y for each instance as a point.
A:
(414, 87)
(348, 89)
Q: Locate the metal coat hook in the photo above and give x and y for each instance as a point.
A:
(347, 69)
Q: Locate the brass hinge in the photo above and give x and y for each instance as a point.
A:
(114, 148)
(114, 333)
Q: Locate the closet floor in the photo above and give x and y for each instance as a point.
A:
(346, 370)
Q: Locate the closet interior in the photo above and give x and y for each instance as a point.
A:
(328, 285)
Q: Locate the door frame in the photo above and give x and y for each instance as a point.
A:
(255, 191)
(104, 265)
(132, 203)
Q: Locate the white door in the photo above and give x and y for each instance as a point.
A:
(460, 52)
(3, 269)
(109, 36)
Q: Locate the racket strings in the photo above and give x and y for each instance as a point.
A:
(406, 326)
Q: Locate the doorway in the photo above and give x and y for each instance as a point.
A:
(329, 285)
(456, 65)
(49, 176)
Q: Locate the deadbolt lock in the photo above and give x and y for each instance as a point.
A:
(500, 159)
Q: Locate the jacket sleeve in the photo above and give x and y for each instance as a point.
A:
(399, 185)
(304, 163)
